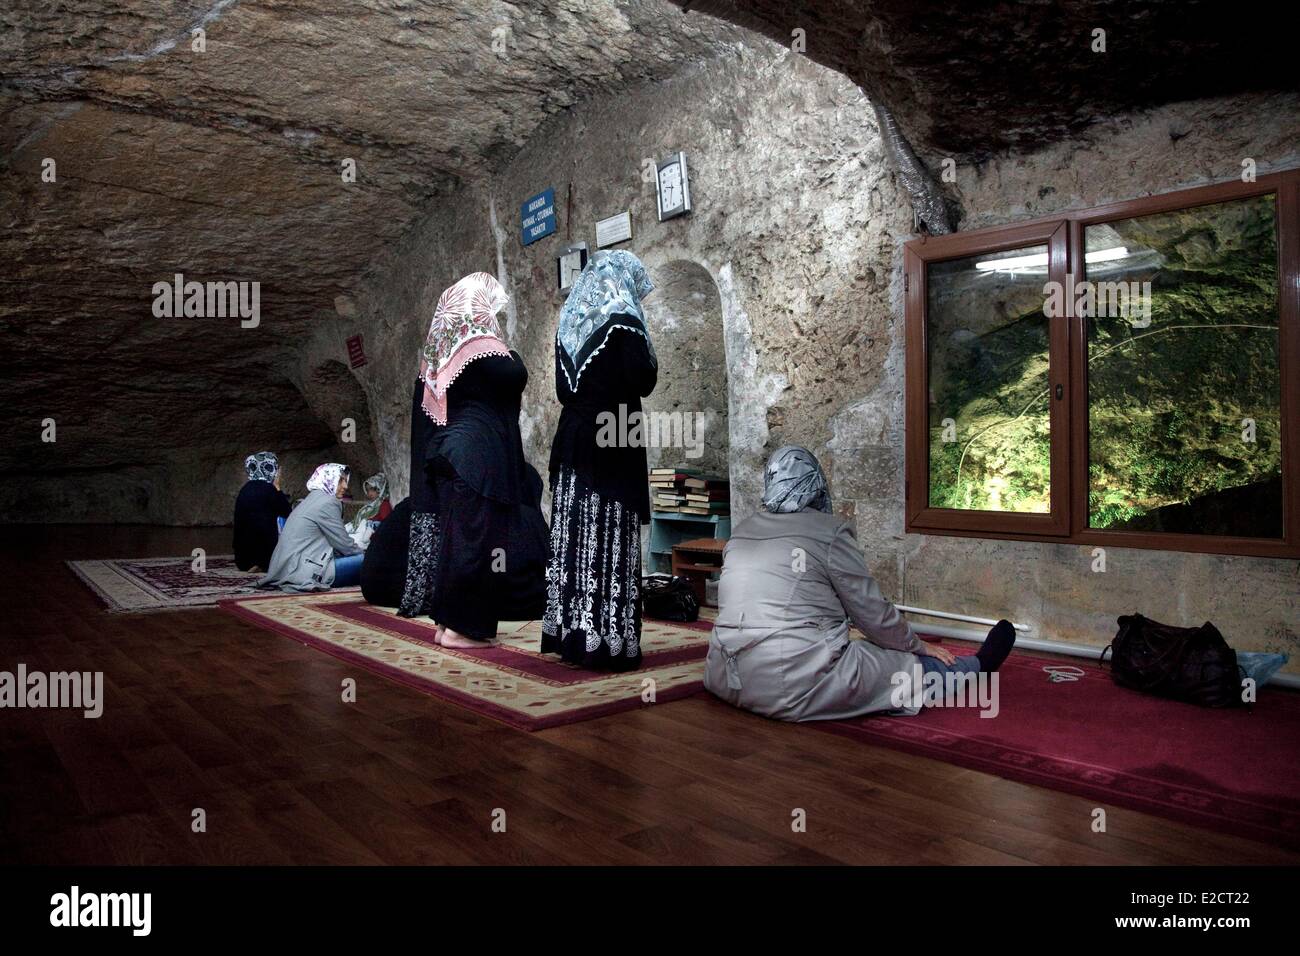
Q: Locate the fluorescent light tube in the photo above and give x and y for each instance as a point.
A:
(1039, 261)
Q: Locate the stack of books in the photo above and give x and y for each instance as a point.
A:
(690, 492)
(706, 495)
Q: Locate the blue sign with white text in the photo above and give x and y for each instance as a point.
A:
(537, 217)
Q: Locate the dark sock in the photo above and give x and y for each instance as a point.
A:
(996, 646)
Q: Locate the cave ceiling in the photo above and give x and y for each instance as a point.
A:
(225, 164)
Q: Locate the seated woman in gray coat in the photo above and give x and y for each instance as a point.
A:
(793, 580)
(315, 551)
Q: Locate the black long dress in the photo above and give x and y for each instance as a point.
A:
(480, 478)
(256, 531)
(383, 570)
(522, 596)
(600, 497)
(422, 529)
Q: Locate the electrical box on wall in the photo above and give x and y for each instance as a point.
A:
(569, 265)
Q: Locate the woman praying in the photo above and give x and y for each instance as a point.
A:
(599, 493)
(467, 466)
(793, 580)
(315, 551)
(260, 507)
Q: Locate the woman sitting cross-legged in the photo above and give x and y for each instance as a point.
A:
(315, 551)
(260, 507)
(377, 506)
(793, 579)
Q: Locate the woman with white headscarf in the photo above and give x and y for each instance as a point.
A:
(315, 551)
(793, 580)
(377, 506)
(468, 474)
(260, 507)
(604, 365)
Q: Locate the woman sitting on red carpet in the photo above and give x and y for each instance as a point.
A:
(793, 579)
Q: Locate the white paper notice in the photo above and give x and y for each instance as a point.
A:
(613, 230)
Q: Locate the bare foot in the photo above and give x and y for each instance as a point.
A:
(451, 639)
(437, 633)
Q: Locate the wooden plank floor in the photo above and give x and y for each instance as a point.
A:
(205, 711)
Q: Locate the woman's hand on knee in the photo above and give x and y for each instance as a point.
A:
(944, 655)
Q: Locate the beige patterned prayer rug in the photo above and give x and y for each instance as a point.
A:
(511, 681)
(163, 584)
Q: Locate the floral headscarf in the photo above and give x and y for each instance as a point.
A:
(379, 483)
(612, 284)
(327, 477)
(262, 466)
(793, 480)
(464, 328)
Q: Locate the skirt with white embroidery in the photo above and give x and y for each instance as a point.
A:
(593, 579)
(421, 566)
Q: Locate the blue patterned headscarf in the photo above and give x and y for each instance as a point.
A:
(606, 296)
(793, 480)
(262, 466)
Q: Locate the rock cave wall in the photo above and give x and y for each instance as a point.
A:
(799, 223)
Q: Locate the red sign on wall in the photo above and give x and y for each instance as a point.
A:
(356, 354)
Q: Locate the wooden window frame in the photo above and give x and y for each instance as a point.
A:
(920, 515)
(1066, 523)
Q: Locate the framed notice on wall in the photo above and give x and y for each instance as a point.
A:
(614, 230)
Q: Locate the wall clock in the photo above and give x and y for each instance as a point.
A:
(672, 187)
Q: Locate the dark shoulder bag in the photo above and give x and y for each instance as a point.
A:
(1191, 664)
(668, 598)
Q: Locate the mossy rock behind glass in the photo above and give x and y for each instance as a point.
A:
(1168, 403)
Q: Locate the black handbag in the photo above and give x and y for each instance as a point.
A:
(1191, 664)
(668, 598)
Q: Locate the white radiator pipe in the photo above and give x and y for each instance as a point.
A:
(1289, 681)
(957, 617)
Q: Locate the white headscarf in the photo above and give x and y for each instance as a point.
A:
(327, 477)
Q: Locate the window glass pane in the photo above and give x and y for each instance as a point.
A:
(987, 340)
(1183, 371)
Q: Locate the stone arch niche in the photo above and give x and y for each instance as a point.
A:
(684, 314)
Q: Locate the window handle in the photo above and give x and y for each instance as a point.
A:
(1060, 391)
